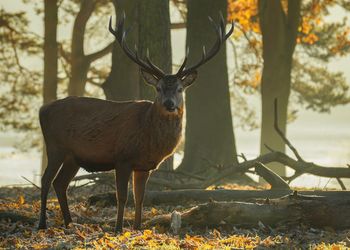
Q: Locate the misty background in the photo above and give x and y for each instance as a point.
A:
(323, 138)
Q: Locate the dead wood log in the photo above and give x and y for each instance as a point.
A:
(177, 197)
(14, 217)
(290, 210)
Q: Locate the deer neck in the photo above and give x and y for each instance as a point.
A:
(160, 117)
(164, 125)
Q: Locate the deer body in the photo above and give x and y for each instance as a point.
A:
(129, 137)
(101, 134)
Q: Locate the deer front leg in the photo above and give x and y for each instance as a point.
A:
(140, 179)
(122, 180)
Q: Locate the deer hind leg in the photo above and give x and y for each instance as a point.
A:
(55, 159)
(140, 179)
(65, 175)
(122, 181)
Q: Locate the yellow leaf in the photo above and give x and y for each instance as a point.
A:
(21, 200)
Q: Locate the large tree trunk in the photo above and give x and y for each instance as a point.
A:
(50, 59)
(279, 31)
(123, 81)
(209, 129)
(154, 36)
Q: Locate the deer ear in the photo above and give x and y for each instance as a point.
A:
(189, 79)
(149, 78)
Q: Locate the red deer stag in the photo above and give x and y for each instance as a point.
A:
(132, 136)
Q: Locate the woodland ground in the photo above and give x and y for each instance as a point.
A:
(93, 228)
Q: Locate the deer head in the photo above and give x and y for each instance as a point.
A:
(170, 87)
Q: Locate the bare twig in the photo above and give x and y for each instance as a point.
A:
(341, 183)
(269, 148)
(293, 177)
(327, 183)
(281, 134)
(242, 156)
(31, 182)
(271, 177)
(213, 165)
(101, 53)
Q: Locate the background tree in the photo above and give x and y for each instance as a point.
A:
(79, 61)
(50, 51)
(21, 84)
(50, 59)
(289, 69)
(279, 33)
(209, 129)
(122, 83)
(154, 36)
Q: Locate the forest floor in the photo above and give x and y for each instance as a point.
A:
(93, 228)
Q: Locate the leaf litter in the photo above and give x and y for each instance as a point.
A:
(93, 228)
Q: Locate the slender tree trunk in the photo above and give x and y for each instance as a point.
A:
(123, 81)
(79, 62)
(50, 59)
(279, 30)
(209, 128)
(154, 36)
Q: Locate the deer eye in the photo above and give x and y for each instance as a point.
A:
(180, 90)
(158, 89)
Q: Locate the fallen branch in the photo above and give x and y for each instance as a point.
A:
(176, 197)
(271, 177)
(281, 134)
(290, 210)
(14, 217)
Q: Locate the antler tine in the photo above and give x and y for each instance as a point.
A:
(223, 27)
(230, 31)
(206, 56)
(111, 28)
(222, 24)
(150, 63)
(120, 35)
(183, 65)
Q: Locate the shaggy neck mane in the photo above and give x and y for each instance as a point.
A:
(165, 127)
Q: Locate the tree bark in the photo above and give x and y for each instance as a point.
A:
(79, 63)
(209, 128)
(285, 211)
(122, 83)
(279, 31)
(154, 36)
(50, 59)
(190, 196)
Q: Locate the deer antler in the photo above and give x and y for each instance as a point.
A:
(120, 35)
(221, 38)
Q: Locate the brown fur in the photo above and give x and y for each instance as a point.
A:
(104, 132)
(101, 135)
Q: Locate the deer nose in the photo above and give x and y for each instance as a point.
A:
(169, 105)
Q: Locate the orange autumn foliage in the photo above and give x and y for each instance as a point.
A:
(245, 14)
